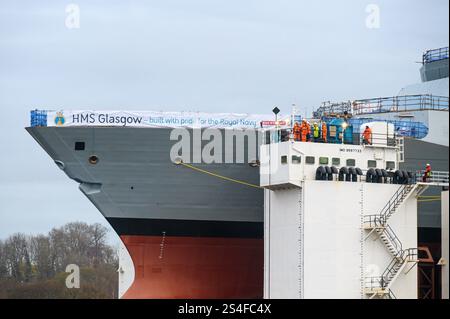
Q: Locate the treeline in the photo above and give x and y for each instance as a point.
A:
(34, 266)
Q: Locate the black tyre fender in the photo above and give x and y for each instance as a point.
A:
(399, 174)
(320, 172)
(370, 175)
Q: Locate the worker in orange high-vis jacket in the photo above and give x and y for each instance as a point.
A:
(324, 132)
(367, 136)
(308, 132)
(297, 132)
(304, 130)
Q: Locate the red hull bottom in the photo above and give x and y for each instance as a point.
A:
(195, 267)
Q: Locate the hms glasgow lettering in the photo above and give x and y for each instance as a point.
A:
(92, 118)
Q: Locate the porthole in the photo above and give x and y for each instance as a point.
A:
(93, 159)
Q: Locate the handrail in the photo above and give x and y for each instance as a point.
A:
(387, 272)
(378, 221)
(383, 282)
(380, 139)
(372, 282)
(374, 221)
(436, 177)
(377, 139)
(375, 282)
(402, 256)
(400, 103)
(391, 294)
(390, 205)
(435, 55)
(395, 241)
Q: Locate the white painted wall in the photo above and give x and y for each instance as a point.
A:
(332, 241)
(332, 252)
(282, 246)
(445, 244)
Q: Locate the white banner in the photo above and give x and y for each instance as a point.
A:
(155, 119)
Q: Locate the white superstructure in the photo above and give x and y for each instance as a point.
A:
(339, 222)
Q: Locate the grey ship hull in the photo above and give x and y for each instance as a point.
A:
(135, 179)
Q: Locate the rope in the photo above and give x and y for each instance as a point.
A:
(220, 176)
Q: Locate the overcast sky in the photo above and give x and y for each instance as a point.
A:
(209, 55)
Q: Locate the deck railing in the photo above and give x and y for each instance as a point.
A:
(400, 104)
(436, 177)
(435, 55)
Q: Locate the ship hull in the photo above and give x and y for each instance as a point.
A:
(193, 259)
(195, 267)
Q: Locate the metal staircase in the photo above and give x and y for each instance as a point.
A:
(396, 265)
(389, 239)
(378, 224)
(396, 200)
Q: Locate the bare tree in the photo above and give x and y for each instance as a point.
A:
(3, 261)
(16, 246)
(34, 266)
(42, 256)
(98, 244)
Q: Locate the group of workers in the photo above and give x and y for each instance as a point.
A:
(306, 132)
